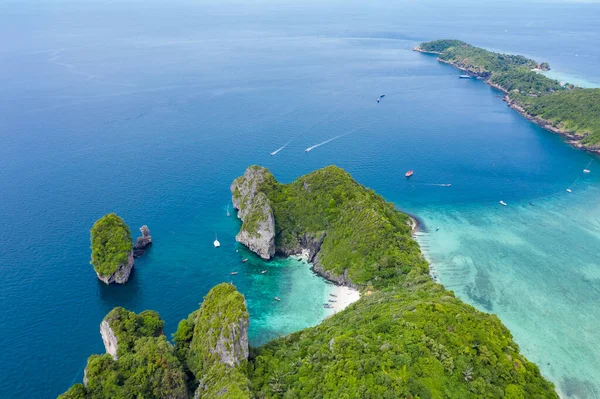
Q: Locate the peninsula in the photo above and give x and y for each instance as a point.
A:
(407, 337)
(562, 108)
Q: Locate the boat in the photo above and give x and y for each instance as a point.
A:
(381, 96)
(569, 190)
(277, 299)
(244, 260)
(502, 203)
(465, 76)
(333, 295)
(332, 300)
(263, 272)
(409, 174)
(327, 306)
(586, 171)
(377, 99)
(216, 242)
(233, 273)
(437, 228)
(532, 204)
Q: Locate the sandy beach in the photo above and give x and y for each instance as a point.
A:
(344, 296)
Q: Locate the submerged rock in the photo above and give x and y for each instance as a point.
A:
(143, 242)
(254, 208)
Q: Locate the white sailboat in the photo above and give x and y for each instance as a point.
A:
(216, 243)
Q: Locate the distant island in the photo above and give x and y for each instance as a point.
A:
(407, 337)
(562, 108)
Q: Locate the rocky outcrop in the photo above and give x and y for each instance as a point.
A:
(218, 351)
(121, 275)
(143, 242)
(254, 208)
(109, 339)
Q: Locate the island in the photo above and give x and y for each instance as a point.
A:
(112, 249)
(562, 108)
(406, 337)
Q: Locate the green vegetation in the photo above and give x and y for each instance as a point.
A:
(149, 370)
(576, 110)
(147, 366)
(407, 337)
(415, 342)
(213, 342)
(111, 244)
(129, 327)
(569, 109)
(365, 236)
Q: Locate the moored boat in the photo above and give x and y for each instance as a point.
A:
(502, 203)
(276, 298)
(586, 171)
(409, 174)
(216, 242)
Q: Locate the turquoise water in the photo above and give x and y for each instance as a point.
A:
(152, 111)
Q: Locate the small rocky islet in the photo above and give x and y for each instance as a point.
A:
(113, 251)
(406, 337)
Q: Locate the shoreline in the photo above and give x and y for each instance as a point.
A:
(572, 139)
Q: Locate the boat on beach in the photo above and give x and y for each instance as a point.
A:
(409, 173)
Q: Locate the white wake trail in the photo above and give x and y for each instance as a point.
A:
(326, 141)
(279, 149)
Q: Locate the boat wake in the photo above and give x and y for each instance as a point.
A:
(326, 141)
(279, 149)
(436, 184)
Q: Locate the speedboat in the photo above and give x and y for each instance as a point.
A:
(502, 203)
(277, 299)
(586, 171)
(263, 272)
(244, 260)
(233, 273)
(569, 190)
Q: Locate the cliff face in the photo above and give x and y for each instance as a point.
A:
(121, 275)
(218, 351)
(109, 339)
(254, 208)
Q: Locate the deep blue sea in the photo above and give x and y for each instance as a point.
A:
(150, 109)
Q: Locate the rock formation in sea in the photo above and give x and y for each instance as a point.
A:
(214, 342)
(112, 249)
(121, 275)
(254, 208)
(143, 242)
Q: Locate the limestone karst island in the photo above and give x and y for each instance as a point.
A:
(406, 337)
(292, 199)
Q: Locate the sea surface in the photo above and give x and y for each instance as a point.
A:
(150, 109)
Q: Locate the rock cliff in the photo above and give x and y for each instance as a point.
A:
(254, 208)
(121, 275)
(143, 242)
(218, 350)
(109, 339)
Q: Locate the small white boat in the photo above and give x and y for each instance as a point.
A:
(216, 242)
(502, 203)
(569, 190)
(586, 171)
(277, 299)
(233, 273)
(263, 272)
